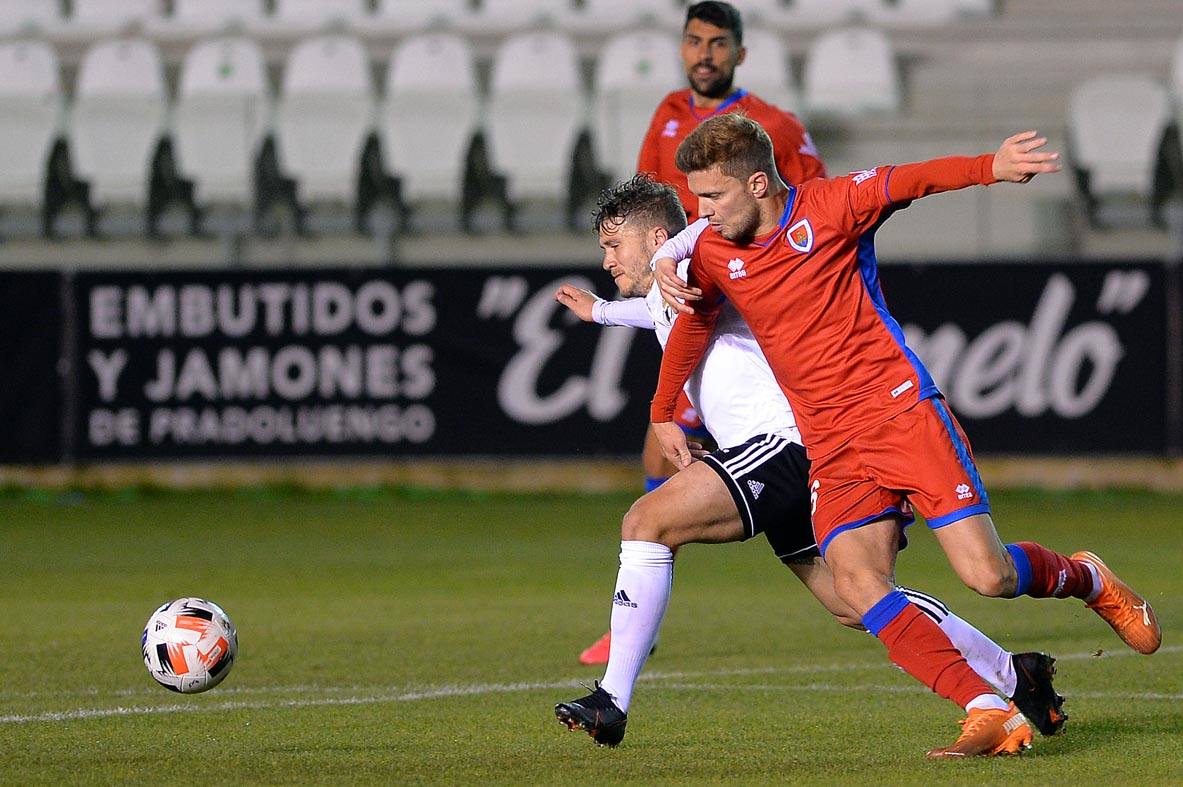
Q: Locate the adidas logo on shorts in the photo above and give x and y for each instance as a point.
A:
(756, 488)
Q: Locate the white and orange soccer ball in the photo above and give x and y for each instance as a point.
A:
(189, 645)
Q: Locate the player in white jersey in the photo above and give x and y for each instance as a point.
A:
(756, 482)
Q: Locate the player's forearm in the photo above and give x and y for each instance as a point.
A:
(912, 181)
(687, 344)
(631, 312)
(680, 246)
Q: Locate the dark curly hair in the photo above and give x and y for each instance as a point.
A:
(721, 15)
(640, 197)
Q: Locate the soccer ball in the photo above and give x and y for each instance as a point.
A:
(189, 645)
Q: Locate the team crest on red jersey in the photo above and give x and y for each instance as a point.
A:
(800, 236)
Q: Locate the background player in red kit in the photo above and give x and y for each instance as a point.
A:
(712, 48)
(799, 265)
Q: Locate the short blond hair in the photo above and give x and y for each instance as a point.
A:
(735, 143)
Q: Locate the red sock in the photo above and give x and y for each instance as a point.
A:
(918, 646)
(1052, 574)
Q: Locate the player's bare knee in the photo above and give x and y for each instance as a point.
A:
(993, 579)
(644, 522)
(860, 589)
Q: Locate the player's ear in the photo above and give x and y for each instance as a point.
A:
(758, 184)
(658, 236)
(743, 52)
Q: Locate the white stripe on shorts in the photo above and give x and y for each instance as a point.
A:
(755, 455)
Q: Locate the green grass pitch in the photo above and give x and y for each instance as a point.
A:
(392, 636)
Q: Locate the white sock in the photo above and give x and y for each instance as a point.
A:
(985, 656)
(1096, 582)
(987, 702)
(638, 605)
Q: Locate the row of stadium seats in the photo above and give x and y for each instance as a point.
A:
(180, 17)
(226, 139)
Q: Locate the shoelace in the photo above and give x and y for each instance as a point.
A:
(972, 723)
(1120, 611)
(1112, 599)
(596, 696)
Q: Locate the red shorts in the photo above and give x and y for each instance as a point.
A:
(686, 416)
(919, 458)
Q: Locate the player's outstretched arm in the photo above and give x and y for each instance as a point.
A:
(1019, 158)
(587, 306)
(578, 300)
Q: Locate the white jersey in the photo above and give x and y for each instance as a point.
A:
(733, 388)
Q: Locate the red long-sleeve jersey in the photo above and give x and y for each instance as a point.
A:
(797, 159)
(810, 292)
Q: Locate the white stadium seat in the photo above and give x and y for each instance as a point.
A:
(507, 16)
(220, 118)
(765, 70)
(851, 71)
(30, 116)
(825, 13)
(116, 119)
(536, 106)
(209, 15)
(1115, 127)
(420, 15)
(633, 73)
(325, 113)
(616, 15)
(430, 115)
(113, 15)
(1176, 79)
(914, 13)
(315, 14)
(27, 16)
(759, 12)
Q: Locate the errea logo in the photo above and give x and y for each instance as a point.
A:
(862, 176)
(736, 268)
(963, 492)
(671, 129)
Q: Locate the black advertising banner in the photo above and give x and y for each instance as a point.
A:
(335, 362)
(1033, 357)
(30, 385)
(1039, 358)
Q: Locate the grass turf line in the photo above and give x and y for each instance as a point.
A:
(339, 595)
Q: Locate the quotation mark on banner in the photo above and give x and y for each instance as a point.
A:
(501, 297)
(1122, 291)
(520, 391)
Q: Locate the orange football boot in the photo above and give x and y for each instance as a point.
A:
(987, 732)
(1130, 615)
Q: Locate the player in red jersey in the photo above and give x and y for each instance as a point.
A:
(712, 48)
(798, 263)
